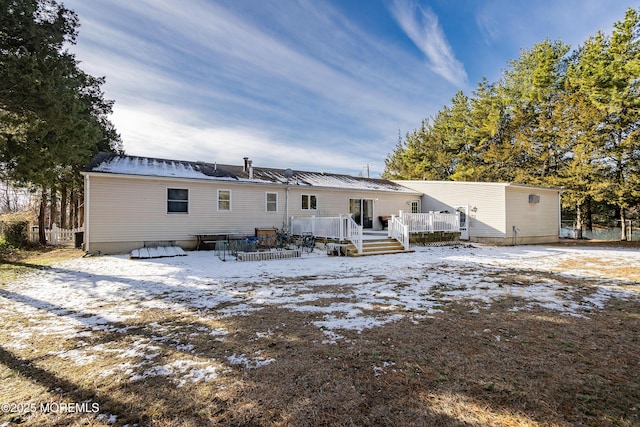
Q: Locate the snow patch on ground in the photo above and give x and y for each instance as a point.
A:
(249, 362)
(188, 371)
(83, 297)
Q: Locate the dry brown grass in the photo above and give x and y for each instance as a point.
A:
(449, 370)
(463, 366)
(605, 269)
(21, 261)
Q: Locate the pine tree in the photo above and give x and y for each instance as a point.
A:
(552, 119)
(53, 117)
(609, 68)
(489, 157)
(579, 172)
(532, 85)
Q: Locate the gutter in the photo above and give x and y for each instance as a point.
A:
(255, 181)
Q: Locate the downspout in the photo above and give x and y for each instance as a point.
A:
(87, 211)
(286, 210)
(559, 214)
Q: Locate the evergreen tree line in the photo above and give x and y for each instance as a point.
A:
(556, 117)
(53, 115)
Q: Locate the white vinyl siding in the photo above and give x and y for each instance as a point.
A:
(127, 211)
(133, 209)
(495, 208)
(489, 218)
(532, 219)
(334, 202)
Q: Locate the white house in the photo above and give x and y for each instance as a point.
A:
(497, 213)
(130, 201)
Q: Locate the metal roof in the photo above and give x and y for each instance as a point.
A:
(110, 163)
(476, 183)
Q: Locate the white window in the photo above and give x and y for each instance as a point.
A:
(224, 200)
(309, 202)
(415, 206)
(271, 202)
(178, 200)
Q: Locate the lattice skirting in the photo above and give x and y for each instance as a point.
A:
(264, 256)
(437, 238)
(448, 243)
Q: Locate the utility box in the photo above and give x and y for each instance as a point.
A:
(79, 239)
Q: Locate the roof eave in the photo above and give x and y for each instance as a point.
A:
(241, 181)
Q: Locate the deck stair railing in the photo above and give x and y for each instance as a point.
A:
(399, 231)
(354, 232)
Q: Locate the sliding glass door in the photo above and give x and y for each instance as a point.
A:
(361, 211)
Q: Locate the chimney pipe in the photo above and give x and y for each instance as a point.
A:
(246, 164)
(250, 169)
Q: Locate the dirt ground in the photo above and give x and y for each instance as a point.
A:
(508, 363)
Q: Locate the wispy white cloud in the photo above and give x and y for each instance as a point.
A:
(286, 85)
(224, 48)
(163, 131)
(422, 27)
(488, 26)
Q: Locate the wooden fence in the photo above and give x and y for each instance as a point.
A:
(56, 236)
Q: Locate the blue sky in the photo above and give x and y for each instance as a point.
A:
(321, 85)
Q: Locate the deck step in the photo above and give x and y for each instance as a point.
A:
(377, 247)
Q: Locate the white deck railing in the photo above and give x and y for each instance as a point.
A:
(341, 227)
(331, 227)
(399, 231)
(431, 222)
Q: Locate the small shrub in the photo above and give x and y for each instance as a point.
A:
(5, 248)
(16, 234)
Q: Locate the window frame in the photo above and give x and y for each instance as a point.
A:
(268, 203)
(218, 200)
(416, 206)
(309, 198)
(170, 201)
